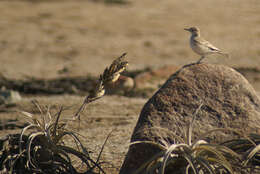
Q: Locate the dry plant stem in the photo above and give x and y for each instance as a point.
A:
(103, 146)
(190, 127)
(57, 121)
(81, 109)
(110, 75)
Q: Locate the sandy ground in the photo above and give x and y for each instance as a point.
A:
(114, 114)
(40, 38)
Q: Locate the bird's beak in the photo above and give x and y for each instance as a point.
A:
(187, 29)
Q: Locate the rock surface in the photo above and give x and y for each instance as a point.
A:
(9, 96)
(229, 101)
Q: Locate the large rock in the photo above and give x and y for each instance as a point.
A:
(229, 101)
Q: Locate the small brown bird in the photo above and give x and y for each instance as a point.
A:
(200, 45)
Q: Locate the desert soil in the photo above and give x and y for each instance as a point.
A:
(53, 38)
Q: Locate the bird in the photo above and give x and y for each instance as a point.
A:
(202, 46)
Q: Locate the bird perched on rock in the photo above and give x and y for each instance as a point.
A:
(200, 45)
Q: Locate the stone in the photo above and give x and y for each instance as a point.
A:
(9, 96)
(227, 98)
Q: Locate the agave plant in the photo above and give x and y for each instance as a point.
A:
(185, 156)
(249, 148)
(42, 148)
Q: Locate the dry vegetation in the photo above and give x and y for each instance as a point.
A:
(188, 155)
(44, 150)
(63, 39)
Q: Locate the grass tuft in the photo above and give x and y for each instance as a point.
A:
(44, 150)
(40, 147)
(201, 157)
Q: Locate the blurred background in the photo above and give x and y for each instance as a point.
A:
(65, 42)
(41, 38)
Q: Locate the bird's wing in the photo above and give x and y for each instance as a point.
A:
(206, 44)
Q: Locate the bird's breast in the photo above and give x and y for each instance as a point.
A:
(198, 48)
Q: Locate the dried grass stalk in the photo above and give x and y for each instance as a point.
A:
(110, 75)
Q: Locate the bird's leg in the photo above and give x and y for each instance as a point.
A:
(199, 61)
